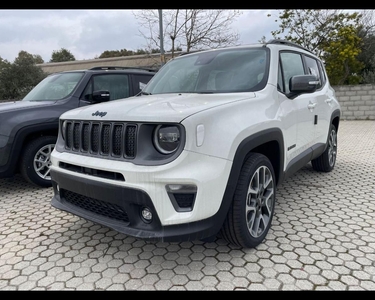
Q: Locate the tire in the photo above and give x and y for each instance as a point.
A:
(36, 160)
(250, 215)
(327, 160)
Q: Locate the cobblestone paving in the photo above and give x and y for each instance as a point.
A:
(322, 238)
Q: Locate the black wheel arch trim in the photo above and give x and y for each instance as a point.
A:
(245, 147)
(335, 114)
(19, 140)
(252, 142)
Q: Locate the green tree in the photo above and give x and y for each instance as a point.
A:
(116, 53)
(110, 53)
(23, 55)
(4, 66)
(19, 77)
(38, 59)
(367, 55)
(332, 35)
(2, 61)
(124, 52)
(62, 55)
(341, 56)
(311, 28)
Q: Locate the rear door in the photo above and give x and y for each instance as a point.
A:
(323, 109)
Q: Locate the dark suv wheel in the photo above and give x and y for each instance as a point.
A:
(36, 160)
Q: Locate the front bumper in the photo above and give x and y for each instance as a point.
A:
(100, 199)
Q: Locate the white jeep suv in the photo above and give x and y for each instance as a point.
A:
(200, 152)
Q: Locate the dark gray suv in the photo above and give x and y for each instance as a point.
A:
(29, 127)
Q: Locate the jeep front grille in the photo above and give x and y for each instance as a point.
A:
(110, 139)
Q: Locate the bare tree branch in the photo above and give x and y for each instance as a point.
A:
(192, 29)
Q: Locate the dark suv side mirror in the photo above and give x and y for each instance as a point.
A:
(100, 96)
(301, 84)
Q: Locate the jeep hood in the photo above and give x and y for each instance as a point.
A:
(154, 108)
(19, 105)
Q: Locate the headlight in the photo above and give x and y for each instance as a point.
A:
(167, 138)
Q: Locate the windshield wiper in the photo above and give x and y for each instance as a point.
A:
(205, 92)
(144, 93)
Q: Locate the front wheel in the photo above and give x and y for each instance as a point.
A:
(250, 215)
(327, 160)
(36, 161)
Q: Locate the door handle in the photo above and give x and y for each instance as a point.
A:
(311, 105)
(329, 100)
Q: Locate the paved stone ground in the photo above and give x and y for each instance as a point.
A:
(322, 238)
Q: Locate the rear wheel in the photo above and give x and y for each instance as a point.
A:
(327, 160)
(250, 215)
(36, 161)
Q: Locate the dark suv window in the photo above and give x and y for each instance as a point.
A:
(116, 84)
(139, 82)
(54, 87)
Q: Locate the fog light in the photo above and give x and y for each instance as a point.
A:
(146, 215)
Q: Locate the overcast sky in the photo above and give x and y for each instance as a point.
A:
(88, 33)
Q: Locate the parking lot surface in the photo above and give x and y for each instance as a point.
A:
(322, 238)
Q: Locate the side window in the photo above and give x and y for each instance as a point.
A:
(323, 77)
(313, 69)
(292, 65)
(139, 82)
(116, 84)
(280, 81)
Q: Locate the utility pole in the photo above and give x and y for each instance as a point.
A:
(162, 57)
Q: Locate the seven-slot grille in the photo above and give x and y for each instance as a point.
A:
(113, 139)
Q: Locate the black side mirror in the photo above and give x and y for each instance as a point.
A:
(301, 84)
(100, 96)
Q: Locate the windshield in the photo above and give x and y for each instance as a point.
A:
(219, 71)
(54, 87)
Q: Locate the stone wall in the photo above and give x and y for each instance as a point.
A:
(357, 101)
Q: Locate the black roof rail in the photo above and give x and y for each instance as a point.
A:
(289, 43)
(122, 68)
